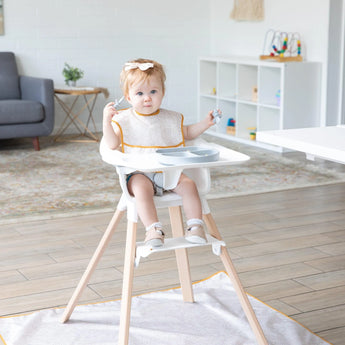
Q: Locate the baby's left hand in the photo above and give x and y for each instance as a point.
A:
(210, 117)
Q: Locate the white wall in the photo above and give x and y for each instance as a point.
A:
(309, 18)
(99, 36)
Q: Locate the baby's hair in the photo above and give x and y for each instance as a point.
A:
(129, 77)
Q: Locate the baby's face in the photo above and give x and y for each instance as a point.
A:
(146, 97)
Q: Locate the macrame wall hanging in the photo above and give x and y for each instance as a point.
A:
(248, 10)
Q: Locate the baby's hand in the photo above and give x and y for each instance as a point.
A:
(217, 115)
(214, 116)
(109, 111)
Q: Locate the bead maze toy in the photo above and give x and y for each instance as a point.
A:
(282, 46)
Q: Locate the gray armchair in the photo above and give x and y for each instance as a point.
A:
(26, 103)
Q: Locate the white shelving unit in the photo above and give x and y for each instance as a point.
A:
(227, 83)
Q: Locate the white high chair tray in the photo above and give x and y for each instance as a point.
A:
(150, 162)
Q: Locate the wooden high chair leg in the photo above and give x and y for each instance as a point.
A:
(92, 264)
(182, 261)
(127, 287)
(231, 270)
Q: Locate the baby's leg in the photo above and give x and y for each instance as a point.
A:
(187, 189)
(141, 188)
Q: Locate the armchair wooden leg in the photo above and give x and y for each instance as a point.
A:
(182, 261)
(36, 143)
(231, 270)
(92, 264)
(127, 287)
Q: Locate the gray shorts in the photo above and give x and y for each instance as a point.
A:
(156, 178)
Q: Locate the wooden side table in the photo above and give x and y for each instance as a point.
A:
(89, 94)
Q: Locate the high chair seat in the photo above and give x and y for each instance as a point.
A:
(199, 172)
(200, 176)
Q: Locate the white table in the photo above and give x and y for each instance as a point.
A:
(323, 142)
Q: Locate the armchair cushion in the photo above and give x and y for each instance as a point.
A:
(9, 79)
(26, 103)
(14, 112)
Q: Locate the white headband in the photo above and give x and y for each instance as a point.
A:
(141, 66)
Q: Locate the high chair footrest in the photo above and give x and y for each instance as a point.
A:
(143, 250)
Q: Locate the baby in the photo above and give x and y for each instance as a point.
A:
(144, 128)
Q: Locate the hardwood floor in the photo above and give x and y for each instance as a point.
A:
(288, 247)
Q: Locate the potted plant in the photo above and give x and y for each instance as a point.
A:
(72, 74)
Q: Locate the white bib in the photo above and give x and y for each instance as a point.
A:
(147, 133)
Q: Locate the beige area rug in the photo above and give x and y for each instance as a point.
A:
(69, 178)
(161, 318)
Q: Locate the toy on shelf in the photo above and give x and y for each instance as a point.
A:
(255, 94)
(231, 127)
(278, 98)
(252, 133)
(282, 46)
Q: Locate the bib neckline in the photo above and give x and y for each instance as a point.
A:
(155, 113)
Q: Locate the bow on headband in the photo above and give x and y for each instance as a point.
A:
(141, 66)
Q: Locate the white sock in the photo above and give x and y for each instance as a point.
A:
(156, 224)
(194, 221)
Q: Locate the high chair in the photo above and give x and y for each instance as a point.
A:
(199, 172)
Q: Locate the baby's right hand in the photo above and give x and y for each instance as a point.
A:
(109, 111)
